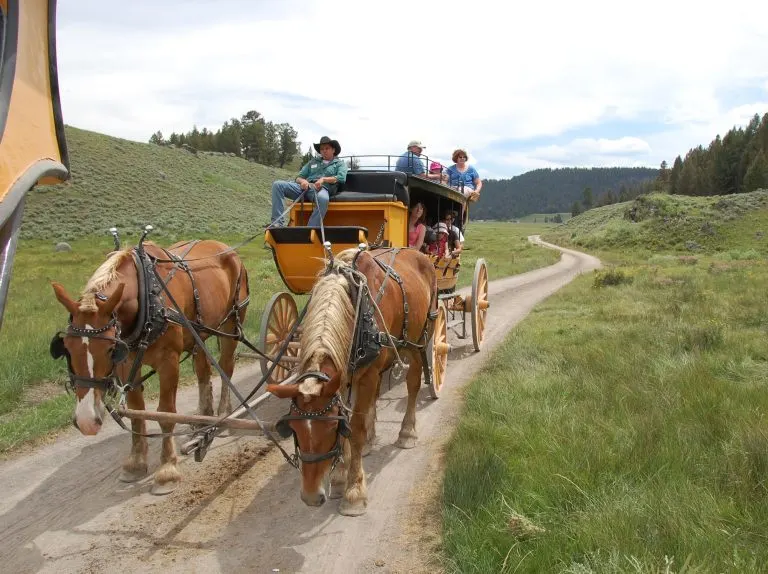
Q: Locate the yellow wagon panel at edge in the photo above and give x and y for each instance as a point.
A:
(30, 129)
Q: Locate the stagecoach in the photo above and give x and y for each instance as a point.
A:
(147, 304)
(371, 209)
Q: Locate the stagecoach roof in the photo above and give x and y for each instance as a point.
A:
(386, 164)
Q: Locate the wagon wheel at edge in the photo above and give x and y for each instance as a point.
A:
(278, 319)
(479, 303)
(437, 352)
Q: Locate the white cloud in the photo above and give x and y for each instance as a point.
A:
(450, 73)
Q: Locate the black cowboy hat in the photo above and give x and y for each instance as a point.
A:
(327, 140)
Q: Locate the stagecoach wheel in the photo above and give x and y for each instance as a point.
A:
(479, 308)
(278, 319)
(437, 352)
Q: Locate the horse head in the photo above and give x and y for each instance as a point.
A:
(318, 422)
(92, 347)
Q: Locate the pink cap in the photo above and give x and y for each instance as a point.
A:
(434, 165)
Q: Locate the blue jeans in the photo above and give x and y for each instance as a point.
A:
(292, 190)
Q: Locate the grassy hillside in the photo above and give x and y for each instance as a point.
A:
(681, 224)
(129, 184)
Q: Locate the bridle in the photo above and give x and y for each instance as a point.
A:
(342, 429)
(119, 353)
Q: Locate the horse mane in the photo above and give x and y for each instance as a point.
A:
(328, 324)
(101, 278)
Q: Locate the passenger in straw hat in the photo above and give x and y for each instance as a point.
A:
(319, 180)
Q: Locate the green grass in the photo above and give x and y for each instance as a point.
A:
(539, 217)
(129, 184)
(621, 427)
(33, 314)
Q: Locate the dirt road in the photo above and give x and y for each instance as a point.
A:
(63, 510)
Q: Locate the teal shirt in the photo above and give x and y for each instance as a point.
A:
(315, 169)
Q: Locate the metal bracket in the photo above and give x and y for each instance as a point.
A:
(206, 438)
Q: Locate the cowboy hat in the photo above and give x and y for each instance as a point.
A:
(327, 140)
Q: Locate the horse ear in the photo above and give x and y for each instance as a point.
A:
(64, 298)
(109, 305)
(331, 387)
(284, 391)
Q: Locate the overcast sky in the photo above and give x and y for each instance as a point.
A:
(520, 86)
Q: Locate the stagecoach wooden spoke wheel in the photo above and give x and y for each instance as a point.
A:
(479, 303)
(280, 315)
(438, 351)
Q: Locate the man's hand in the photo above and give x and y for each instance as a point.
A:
(474, 196)
(318, 184)
(304, 184)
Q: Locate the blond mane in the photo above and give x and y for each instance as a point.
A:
(328, 326)
(101, 278)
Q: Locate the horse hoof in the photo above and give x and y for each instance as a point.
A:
(367, 448)
(405, 442)
(352, 508)
(132, 475)
(164, 488)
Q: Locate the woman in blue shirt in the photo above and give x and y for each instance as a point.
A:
(464, 177)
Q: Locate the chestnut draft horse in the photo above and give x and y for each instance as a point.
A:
(346, 345)
(122, 313)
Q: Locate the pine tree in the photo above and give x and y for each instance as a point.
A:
(757, 174)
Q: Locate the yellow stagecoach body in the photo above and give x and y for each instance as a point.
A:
(372, 207)
(33, 147)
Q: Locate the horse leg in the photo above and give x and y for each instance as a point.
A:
(408, 436)
(227, 361)
(135, 466)
(356, 496)
(167, 477)
(370, 425)
(205, 390)
(339, 474)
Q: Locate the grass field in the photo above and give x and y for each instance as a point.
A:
(32, 400)
(621, 427)
(540, 217)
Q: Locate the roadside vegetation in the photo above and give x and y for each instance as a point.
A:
(621, 427)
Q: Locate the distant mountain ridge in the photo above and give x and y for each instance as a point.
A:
(555, 190)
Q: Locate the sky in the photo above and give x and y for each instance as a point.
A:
(519, 86)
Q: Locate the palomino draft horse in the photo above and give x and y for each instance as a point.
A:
(367, 306)
(123, 321)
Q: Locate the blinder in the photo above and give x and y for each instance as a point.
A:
(283, 428)
(57, 348)
(119, 351)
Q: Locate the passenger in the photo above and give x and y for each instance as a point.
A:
(319, 179)
(436, 172)
(455, 237)
(409, 161)
(463, 176)
(416, 226)
(441, 247)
